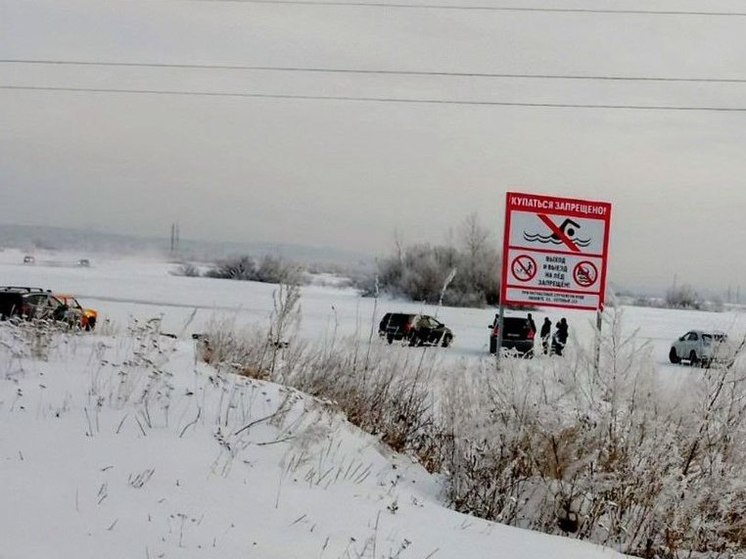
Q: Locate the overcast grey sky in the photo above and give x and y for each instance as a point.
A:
(349, 173)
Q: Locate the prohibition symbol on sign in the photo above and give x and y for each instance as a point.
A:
(523, 268)
(585, 273)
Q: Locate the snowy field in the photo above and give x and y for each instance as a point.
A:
(123, 445)
(144, 288)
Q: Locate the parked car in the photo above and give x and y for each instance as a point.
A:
(88, 317)
(28, 259)
(701, 347)
(518, 335)
(34, 303)
(418, 329)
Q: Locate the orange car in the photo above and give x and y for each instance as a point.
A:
(87, 316)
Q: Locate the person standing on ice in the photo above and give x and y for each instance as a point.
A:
(560, 337)
(531, 323)
(546, 330)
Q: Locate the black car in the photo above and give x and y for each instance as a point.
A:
(518, 335)
(32, 302)
(418, 329)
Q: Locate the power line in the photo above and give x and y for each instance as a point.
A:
(371, 99)
(373, 72)
(483, 8)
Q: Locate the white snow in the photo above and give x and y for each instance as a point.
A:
(121, 444)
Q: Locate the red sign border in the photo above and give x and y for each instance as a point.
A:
(571, 207)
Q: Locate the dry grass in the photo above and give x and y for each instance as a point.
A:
(552, 445)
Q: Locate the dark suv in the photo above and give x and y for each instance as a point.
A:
(418, 329)
(518, 335)
(32, 302)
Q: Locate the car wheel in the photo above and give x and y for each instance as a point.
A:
(447, 339)
(413, 340)
(390, 339)
(673, 357)
(693, 358)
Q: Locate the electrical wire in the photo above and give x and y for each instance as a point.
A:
(418, 73)
(358, 4)
(372, 99)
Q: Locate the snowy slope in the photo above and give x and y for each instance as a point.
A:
(126, 446)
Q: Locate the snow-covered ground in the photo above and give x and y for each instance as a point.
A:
(145, 288)
(124, 445)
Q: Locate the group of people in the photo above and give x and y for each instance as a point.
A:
(558, 340)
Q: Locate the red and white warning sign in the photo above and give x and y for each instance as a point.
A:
(555, 251)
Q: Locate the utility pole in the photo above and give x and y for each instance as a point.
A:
(174, 238)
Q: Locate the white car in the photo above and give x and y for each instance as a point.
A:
(701, 347)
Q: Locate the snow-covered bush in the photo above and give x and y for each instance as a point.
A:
(418, 271)
(605, 455)
(239, 268)
(422, 269)
(187, 269)
(270, 269)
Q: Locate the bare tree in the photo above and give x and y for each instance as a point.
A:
(474, 236)
(399, 245)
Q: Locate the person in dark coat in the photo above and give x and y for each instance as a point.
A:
(546, 330)
(531, 323)
(560, 337)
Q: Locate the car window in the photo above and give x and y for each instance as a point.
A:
(34, 300)
(516, 325)
(692, 337)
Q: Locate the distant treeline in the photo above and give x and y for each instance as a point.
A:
(463, 272)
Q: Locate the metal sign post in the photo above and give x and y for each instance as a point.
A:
(597, 345)
(500, 321)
